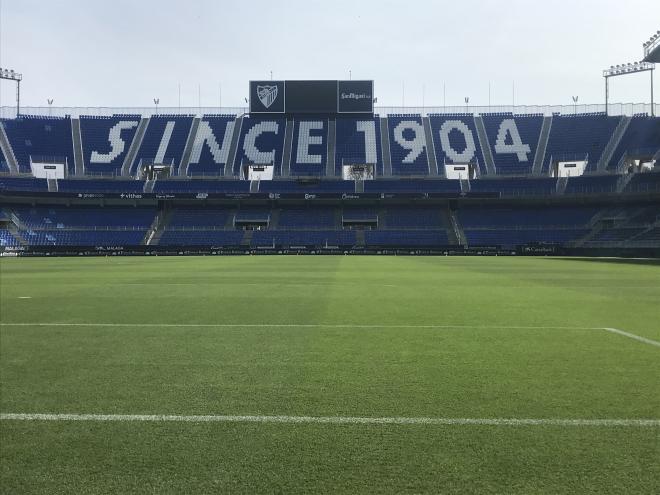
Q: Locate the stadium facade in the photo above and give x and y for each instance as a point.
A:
(311, 167)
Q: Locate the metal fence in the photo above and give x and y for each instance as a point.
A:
(614, 109)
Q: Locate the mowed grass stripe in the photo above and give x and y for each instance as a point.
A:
(333, 325)
(294, 325)
(653, 423)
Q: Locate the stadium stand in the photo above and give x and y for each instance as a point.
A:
(358, 142)
(164, 142)
(309, 187)
(309, 153)
(592, 184)
(579, 137)
(315, 238)
(644, 183)
(510, 203)
(201, 186)
(105, 142)
(642, 136)
(7, 239)
(195, 217)
(210, 149)
(100, 186)
(456, 141)
(411, 217)
(413, 186)
(4, 166)
(33, 138)
(513, 187)
(26, 184)
(220, 238)
(307, 217)
(261, 142)
(408, 150)
(49, 218)
(514, 226)
(513, 141)
(410, 238)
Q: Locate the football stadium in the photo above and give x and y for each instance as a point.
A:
(309, 292)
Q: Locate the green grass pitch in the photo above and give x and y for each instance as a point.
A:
(367, 337)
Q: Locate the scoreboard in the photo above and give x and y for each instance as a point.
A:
(319, 97)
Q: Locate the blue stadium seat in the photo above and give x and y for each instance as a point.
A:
(100, 186)
(164, 141)
(106, 141)
(314, 187)
(411, 217)
(219, 238)
(456, 141)
(592, 184)
(194, 217)
(576, 137)
(357, 143)
(26, 184)
(648, 182)
(309, 150)
(84, 237)
(641, 136)
(210, 150)
(36, 137)
(7, 239)
(201, 186)
(513, 141)
(55, 217)
(406, 238)
(412, 186)
(408, 150)
(307, 217)
(514, 187)
(315, 238)
(261, 142)
(511, 238)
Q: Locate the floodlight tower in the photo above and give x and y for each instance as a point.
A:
(625, 69)
(12, 75)
(651, 56)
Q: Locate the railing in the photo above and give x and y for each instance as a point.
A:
(89, 228)
(615, 109)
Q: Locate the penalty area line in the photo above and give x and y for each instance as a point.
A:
(169, 418)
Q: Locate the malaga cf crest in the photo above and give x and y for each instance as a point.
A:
(267, 95)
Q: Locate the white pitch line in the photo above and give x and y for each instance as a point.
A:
(163, 418)
(289, 325)
(633, 336)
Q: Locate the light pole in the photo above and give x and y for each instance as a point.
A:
(575, 100)
(156, 102)
(50, 107)
(467, 102)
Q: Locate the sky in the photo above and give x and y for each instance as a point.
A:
(124, 53)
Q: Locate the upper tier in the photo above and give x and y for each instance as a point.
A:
(399, 145)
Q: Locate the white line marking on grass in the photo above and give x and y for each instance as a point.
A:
(25, 297)
(633, 336)
(291, 325)
(159, 418)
